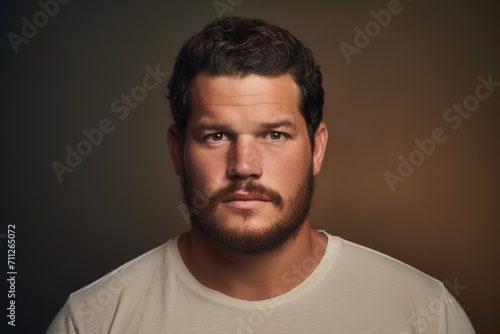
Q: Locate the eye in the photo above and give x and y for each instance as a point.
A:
(219, 136)
(274, 135)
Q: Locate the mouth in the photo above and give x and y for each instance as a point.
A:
(245, 201)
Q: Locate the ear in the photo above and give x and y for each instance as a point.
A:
(320, 141)
(174, 142)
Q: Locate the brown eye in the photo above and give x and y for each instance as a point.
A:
(275, 135)
(216, 136)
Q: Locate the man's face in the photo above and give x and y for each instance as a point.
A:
(246, 165)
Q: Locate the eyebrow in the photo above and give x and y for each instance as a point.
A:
(263, 126)
(279, 124)
(212, 127)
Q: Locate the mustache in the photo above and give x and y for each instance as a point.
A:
(251, 187)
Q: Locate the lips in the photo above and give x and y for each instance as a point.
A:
(245, 200)
(245, 197)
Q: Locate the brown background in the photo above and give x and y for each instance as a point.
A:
(123, 199)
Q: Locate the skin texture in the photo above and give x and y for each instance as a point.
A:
(247, 156)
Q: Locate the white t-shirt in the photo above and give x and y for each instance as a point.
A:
(352, 290)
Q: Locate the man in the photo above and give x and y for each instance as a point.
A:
(247, 141)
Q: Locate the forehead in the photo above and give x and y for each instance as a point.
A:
(252, 94)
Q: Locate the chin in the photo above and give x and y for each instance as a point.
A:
(248, 234)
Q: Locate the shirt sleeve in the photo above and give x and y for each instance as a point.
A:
(63, 323)
(453, 317)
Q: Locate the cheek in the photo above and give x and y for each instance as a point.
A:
(288, 168)
(203, 170)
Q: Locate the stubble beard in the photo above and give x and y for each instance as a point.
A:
(291, 217)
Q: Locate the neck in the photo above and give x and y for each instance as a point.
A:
(248, 276)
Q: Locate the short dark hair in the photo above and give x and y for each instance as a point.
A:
(237, 47)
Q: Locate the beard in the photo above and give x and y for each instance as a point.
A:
(291, 216)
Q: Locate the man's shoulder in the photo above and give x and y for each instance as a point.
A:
(142, 268)
(127, 285)
(366, 264)
(391, 295)
(93, 307)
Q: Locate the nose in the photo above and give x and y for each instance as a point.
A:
(244, 161)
